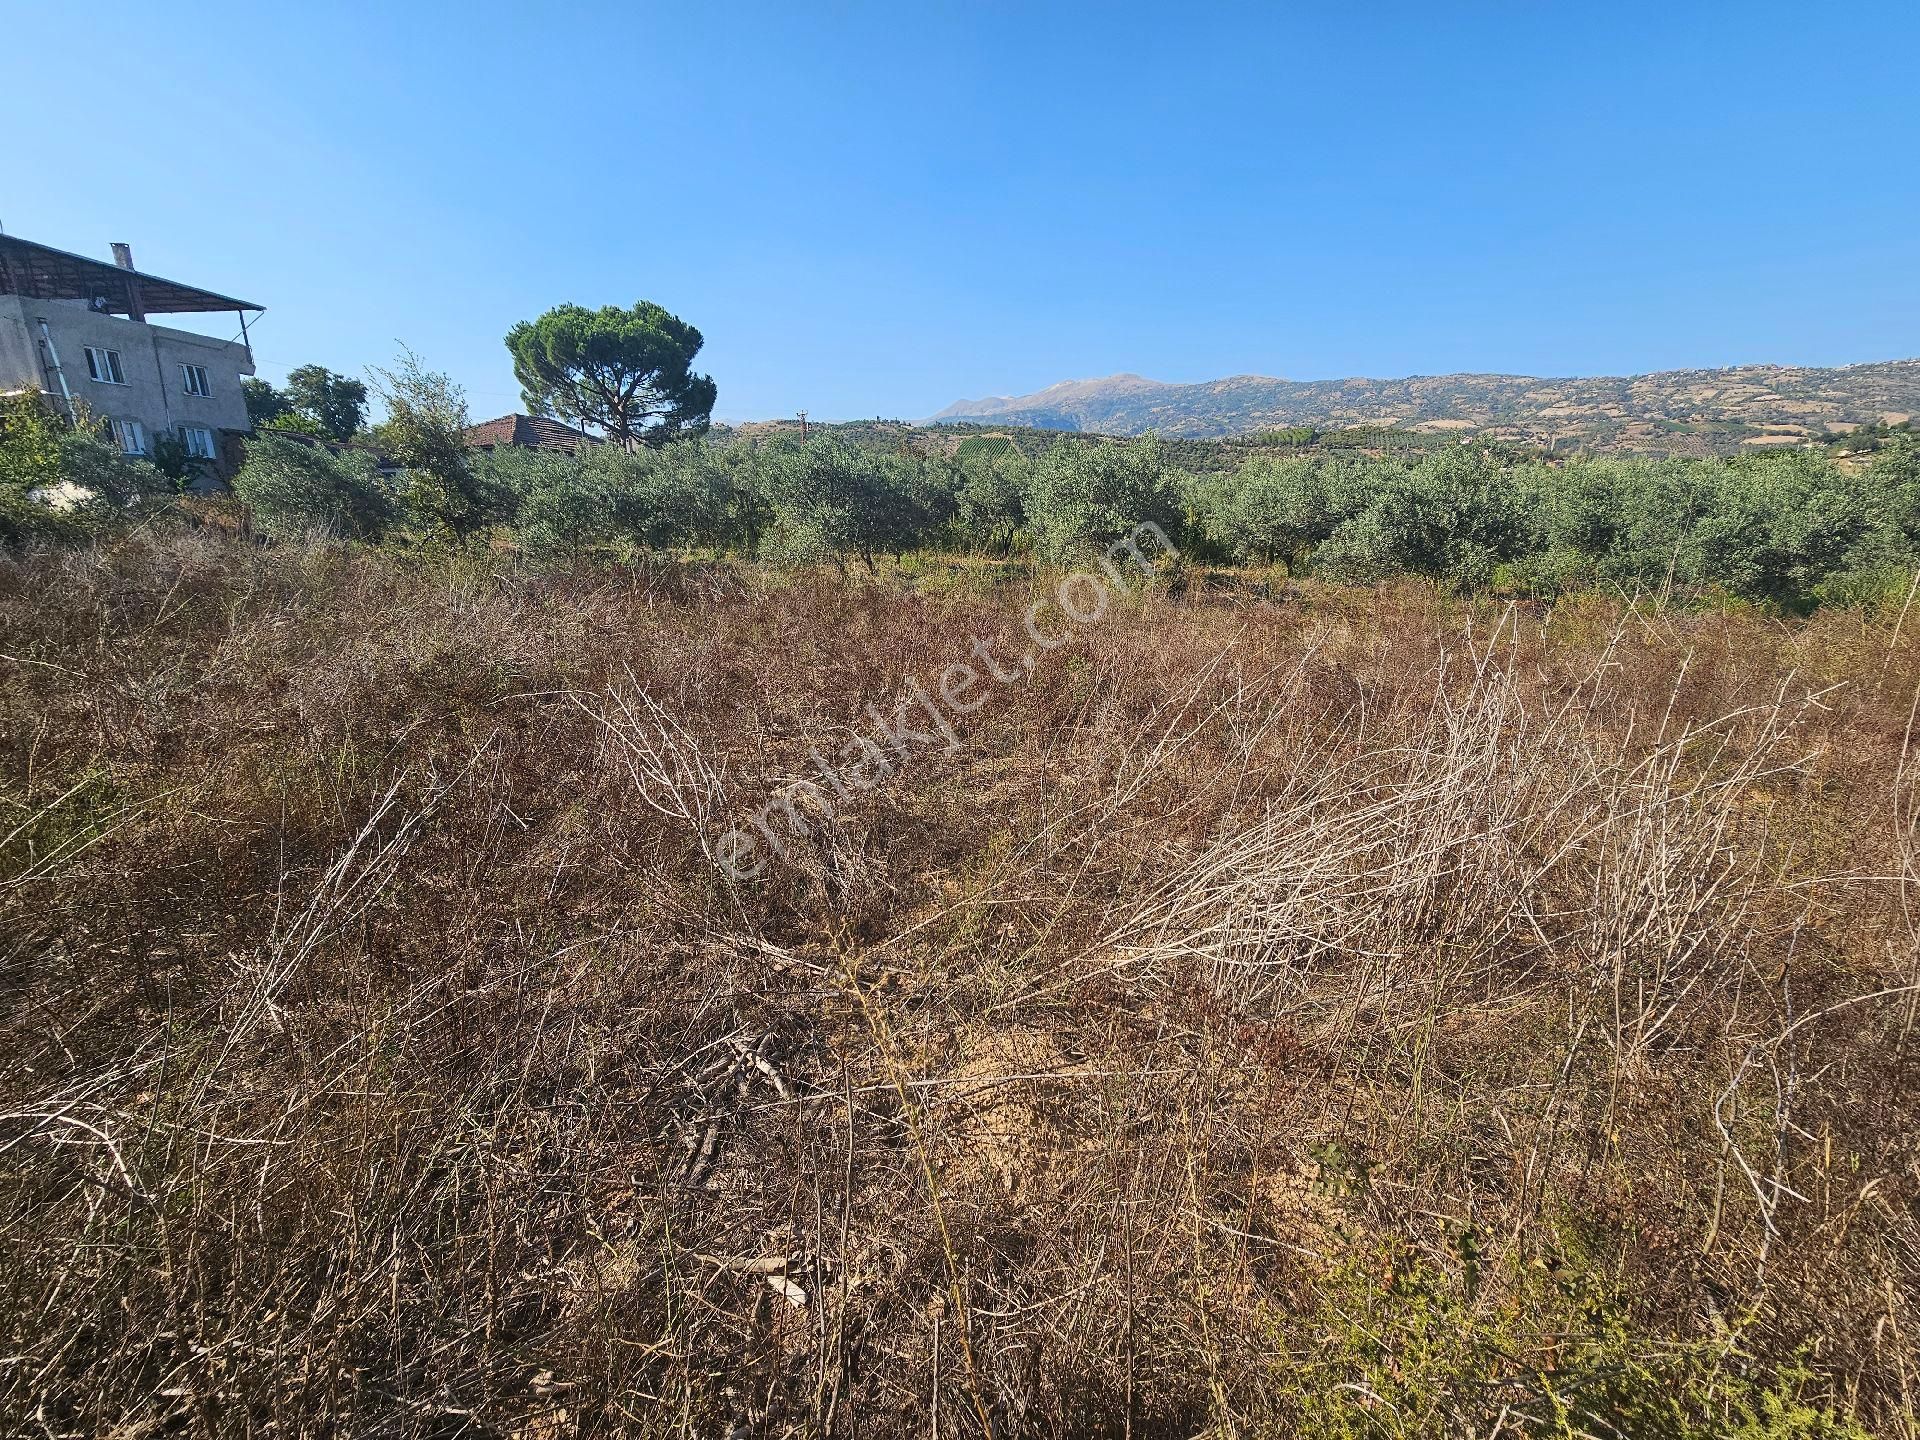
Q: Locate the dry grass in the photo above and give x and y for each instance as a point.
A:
(1361, 1013)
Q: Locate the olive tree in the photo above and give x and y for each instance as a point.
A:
(829, 500)
(425, 430)
(1084, 497)
(295, 488)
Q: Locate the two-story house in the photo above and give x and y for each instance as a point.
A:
(78, 330)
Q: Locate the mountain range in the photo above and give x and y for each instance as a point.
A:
(1670, 412)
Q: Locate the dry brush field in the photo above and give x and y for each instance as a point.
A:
(1340, 1013)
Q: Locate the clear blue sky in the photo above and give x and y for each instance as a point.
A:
(879, 209)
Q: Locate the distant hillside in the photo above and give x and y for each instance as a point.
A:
(1673, 412)
(965, 437)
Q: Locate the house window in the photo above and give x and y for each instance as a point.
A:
(194, 379)
(129, 435)
(104, 366)
(199, 441)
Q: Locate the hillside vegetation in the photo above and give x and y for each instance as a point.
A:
(1789, 530)
(1363, 1013)
(1675, 412)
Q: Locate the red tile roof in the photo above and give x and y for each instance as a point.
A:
(527, 432)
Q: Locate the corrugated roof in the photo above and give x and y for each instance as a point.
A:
(41, 272)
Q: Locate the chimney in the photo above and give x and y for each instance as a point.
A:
(123, 257)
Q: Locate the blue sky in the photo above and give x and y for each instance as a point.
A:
(879, 209)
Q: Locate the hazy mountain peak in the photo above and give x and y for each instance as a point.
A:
(1067, 394)
(1674, 410)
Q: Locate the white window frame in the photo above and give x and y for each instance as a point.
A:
(130, 436)
(200, 442)
(193, 379)
(104, 365)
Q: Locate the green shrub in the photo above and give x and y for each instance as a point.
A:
(1453, 516)
(1270, 509)
(1779, 525)
(30, 441)
(295, 488)
(990, 498)
(1398, 1347)
(683, 493)
(553, 504)
(1082, 498)
(441, 492)
(60, 483)
(828, 500)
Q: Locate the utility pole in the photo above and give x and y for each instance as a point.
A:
(803, 427)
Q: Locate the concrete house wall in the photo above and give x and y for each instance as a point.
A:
(150, 358)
